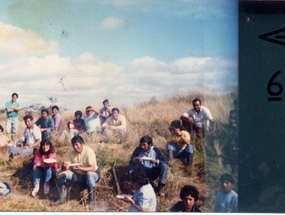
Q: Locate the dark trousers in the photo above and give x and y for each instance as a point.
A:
(153, 173)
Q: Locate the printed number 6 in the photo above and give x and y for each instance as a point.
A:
(271, 83)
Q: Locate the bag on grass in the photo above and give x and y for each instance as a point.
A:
(5, 188)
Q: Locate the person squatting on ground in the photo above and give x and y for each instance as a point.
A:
(151, 160)
(77, 128)
(178, 144)
(46, 124)
(92, 121)
(56, 118)
(227, 199)
(12, 108)
(197, 118)
(116, 123)
(189, 196)
(46, 151)
(85, 174)
(32, 138)
(144, 198)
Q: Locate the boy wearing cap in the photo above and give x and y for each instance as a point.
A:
(227, 200)
(179, 145)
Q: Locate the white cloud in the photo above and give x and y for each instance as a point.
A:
(86, 80)
(192, 73)
(15, 40)
(111, 23)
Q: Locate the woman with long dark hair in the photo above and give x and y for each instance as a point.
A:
(42, 165)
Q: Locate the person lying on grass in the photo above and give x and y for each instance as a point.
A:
(144, 198)
(189, 195)
(40, 167)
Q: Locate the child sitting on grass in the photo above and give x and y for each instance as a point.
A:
(189, 195)
(227, 200)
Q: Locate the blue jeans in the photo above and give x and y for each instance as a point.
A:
(180, 153)
(121, 132)
(20, 151)
(88, 180)
(12, 122)
(153, 173)
(48, 172)
(46, 134)
(72, 133)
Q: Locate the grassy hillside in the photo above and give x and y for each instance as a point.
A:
(149, 118)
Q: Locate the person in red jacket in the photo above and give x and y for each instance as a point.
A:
(42, 165)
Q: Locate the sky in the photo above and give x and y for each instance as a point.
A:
(128, 51)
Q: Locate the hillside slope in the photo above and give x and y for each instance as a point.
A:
(149, 118)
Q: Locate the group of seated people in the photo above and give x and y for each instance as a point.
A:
(146, 164)
(106, 121)
(80, 168)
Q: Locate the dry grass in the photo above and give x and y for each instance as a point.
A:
(149, 118)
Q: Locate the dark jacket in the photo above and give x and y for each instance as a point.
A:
(179, 206)
(159, 154)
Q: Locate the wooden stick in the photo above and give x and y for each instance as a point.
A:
(116, 180)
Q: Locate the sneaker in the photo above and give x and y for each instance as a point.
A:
(46, 189)
(35, 191)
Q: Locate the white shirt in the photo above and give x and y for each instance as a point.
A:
(32, 135)
(145, 198)
(201, 119)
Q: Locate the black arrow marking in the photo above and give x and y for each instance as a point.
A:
(280, 36)
(267, 35)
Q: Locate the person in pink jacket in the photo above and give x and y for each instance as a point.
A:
(49, 169)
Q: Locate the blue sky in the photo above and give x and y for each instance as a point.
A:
(83, 51)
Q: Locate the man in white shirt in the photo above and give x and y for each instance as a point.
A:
(116, 124)
(32, 138)
(32, 133)
(197, 118)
